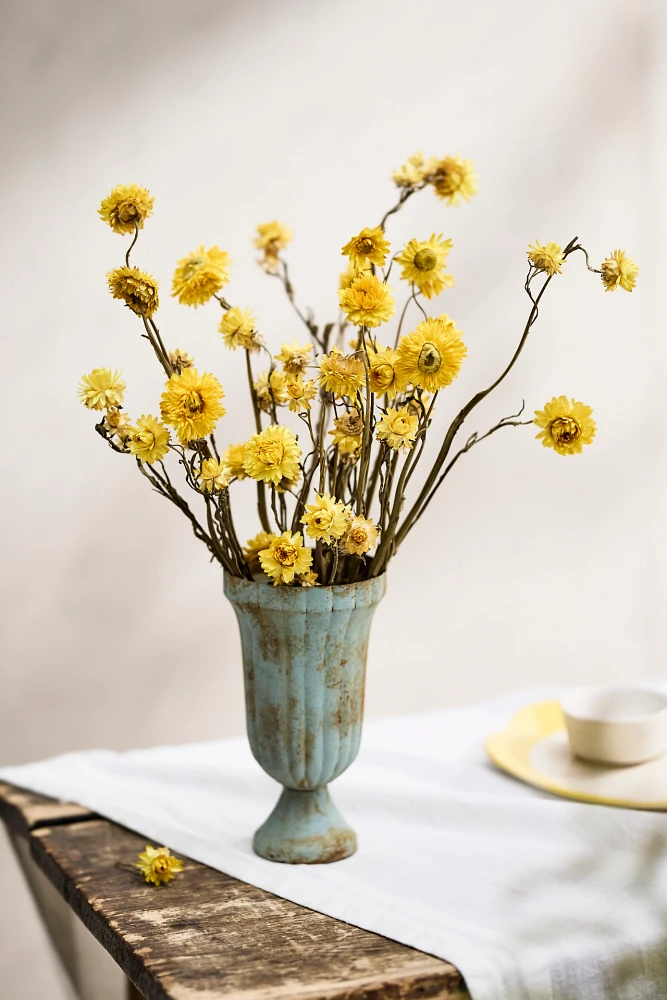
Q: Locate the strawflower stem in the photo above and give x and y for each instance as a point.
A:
(415, 511)
(261, 490)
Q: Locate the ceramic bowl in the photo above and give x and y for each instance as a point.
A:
(616, 725)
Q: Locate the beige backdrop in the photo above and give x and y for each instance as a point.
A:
(529, 568)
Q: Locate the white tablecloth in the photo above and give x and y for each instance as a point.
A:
(530, 896)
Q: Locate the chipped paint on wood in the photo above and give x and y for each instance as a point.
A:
(304, 660)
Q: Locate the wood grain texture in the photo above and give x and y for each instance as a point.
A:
(207, 936)
(24, 811)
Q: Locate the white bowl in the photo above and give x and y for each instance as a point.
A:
(616, 725)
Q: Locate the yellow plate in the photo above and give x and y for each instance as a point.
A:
(534, 748)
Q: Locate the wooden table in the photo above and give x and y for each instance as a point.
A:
(207, 936)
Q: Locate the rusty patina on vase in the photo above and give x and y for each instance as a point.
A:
(304, 663)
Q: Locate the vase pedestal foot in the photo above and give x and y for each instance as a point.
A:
(305, 828)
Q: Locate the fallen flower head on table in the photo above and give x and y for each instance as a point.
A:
(158, 864)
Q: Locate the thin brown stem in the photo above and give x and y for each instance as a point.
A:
(454, 427)
(131, 246)
(261, 489)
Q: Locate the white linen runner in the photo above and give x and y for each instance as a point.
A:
(530, 896)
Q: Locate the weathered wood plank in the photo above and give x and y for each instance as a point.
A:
(24, 811)
(207, 936)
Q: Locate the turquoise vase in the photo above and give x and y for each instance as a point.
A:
(304, 665)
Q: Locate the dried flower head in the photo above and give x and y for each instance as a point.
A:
(137, 289)
(200, 275)
(233, 461)
(348, 431)
(272, 238)
(285, 557)
(423, 262)
(343, 376)
(237, 327)
(368, 301)
(398, 428)
(272, 455)
(295, 357)
(213, 476)
(369, 247)
(271, 390)
(382, 372)
(179, 360)
(254, 546)
(127, 206)
(117, 424)
(619, 271)
(546, 258)
(326, 519)
(431, 356)
(102, 388)
(565, 425)
(300, 393)
(158, 865)
(148, 439)
(415, 171)
(192, 404)
(309, 579)
(361, 535)
(453, 179)
(347, 276)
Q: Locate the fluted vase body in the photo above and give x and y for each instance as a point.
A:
(304, 664)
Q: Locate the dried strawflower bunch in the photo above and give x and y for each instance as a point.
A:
(340, 425)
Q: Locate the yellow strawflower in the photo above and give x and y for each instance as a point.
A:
(619, 271)
(546, 258)
(200, 275)
(309, 579)
(295, 357)
(415, 171)
(179, 360)
(398, 428)
(326, 519)
(369, 247)
(137, 289)
(271, 391)
(287, 483)
(273, 455)
(431, 356)
(566, 425)
(368, 301)
(348, 431)
(453, 179)
(347, 276)
(344, 376)
(272, 238)
(127, 206)
(102, 388)
(285, 557)
(213, 476)
(361, 535)
(158, 864)
(237, 327)
(382, 372)
(148, 439)
(117, 422)
(423, 262)
(191, 404)
(233, 461)
(254, 546)
(300, 393)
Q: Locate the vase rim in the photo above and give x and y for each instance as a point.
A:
(262, 592)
